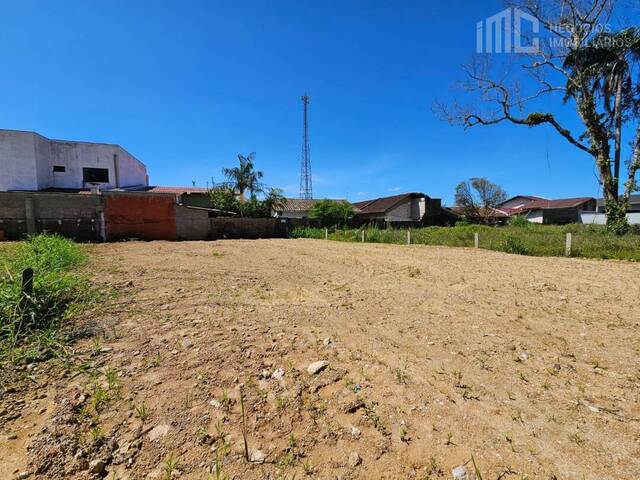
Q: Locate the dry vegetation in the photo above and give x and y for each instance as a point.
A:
(434, 355)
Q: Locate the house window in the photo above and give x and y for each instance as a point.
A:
(59, 168)
(95, 175)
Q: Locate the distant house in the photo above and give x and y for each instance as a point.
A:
(598, 217)
(546, 211)
(513, 205)
(187, 196)
(634, 204)
(295, 208)
(403, 209)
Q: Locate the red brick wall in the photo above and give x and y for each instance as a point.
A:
(143, 215)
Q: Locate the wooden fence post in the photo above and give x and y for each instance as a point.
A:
(476, 240)
(409, 237)
(567, 245)
(27, 286)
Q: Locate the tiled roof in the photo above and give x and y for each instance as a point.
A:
(298, 204)
(382, 204)
(177, 190)
(538, 203)
(559, 203)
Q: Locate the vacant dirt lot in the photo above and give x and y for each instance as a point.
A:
(434, 355)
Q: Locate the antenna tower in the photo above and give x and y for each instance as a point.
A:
(306, 190)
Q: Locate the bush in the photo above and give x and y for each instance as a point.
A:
(512, 244)
(331, 212)
(29, 325)
(518, 221)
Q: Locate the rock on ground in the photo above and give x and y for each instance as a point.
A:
(317, 367)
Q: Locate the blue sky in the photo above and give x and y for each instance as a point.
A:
(186, 86)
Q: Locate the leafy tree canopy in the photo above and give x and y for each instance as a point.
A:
(331, 212)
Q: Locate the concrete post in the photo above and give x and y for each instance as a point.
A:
(409, 237)
(326, 234)
(102, 226)
(362, 236)
(29, 213)
(567, 245)
(476, 240)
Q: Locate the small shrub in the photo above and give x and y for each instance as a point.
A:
(512, 244)
(518, 221)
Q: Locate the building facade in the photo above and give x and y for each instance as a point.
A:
(31, 162)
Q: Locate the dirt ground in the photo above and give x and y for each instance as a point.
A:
(434, 354)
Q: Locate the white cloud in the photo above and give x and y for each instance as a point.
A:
(394, 189)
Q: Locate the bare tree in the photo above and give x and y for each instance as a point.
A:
(578, 59)
(478, 197)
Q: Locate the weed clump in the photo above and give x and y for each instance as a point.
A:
(30, 323)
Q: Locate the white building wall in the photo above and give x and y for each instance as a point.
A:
(592, 218)
(535, 216)
(17, 161)
(27, 160)
(44, 175)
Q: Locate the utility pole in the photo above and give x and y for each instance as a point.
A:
(306, 190)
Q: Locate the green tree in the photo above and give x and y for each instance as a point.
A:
(274, 200)
(244, 177)
(331, 212)
(224, 198)
(572, 62)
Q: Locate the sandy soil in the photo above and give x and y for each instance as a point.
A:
(434, 355)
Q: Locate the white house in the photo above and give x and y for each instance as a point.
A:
(29, 161)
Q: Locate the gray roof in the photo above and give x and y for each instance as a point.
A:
(635, 199)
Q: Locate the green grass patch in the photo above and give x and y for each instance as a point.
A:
(589, 241)
(33, 327)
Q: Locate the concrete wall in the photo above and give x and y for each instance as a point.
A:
(72, 215)
(27, 160)
(114, 216)
(411, 210)
(592, 218)
(124, 169)
(192, 223)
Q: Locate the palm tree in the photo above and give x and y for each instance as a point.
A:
(244, 177)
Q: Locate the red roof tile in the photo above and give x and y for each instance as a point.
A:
(559, 203)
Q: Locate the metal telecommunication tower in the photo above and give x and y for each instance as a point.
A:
(306, 190)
